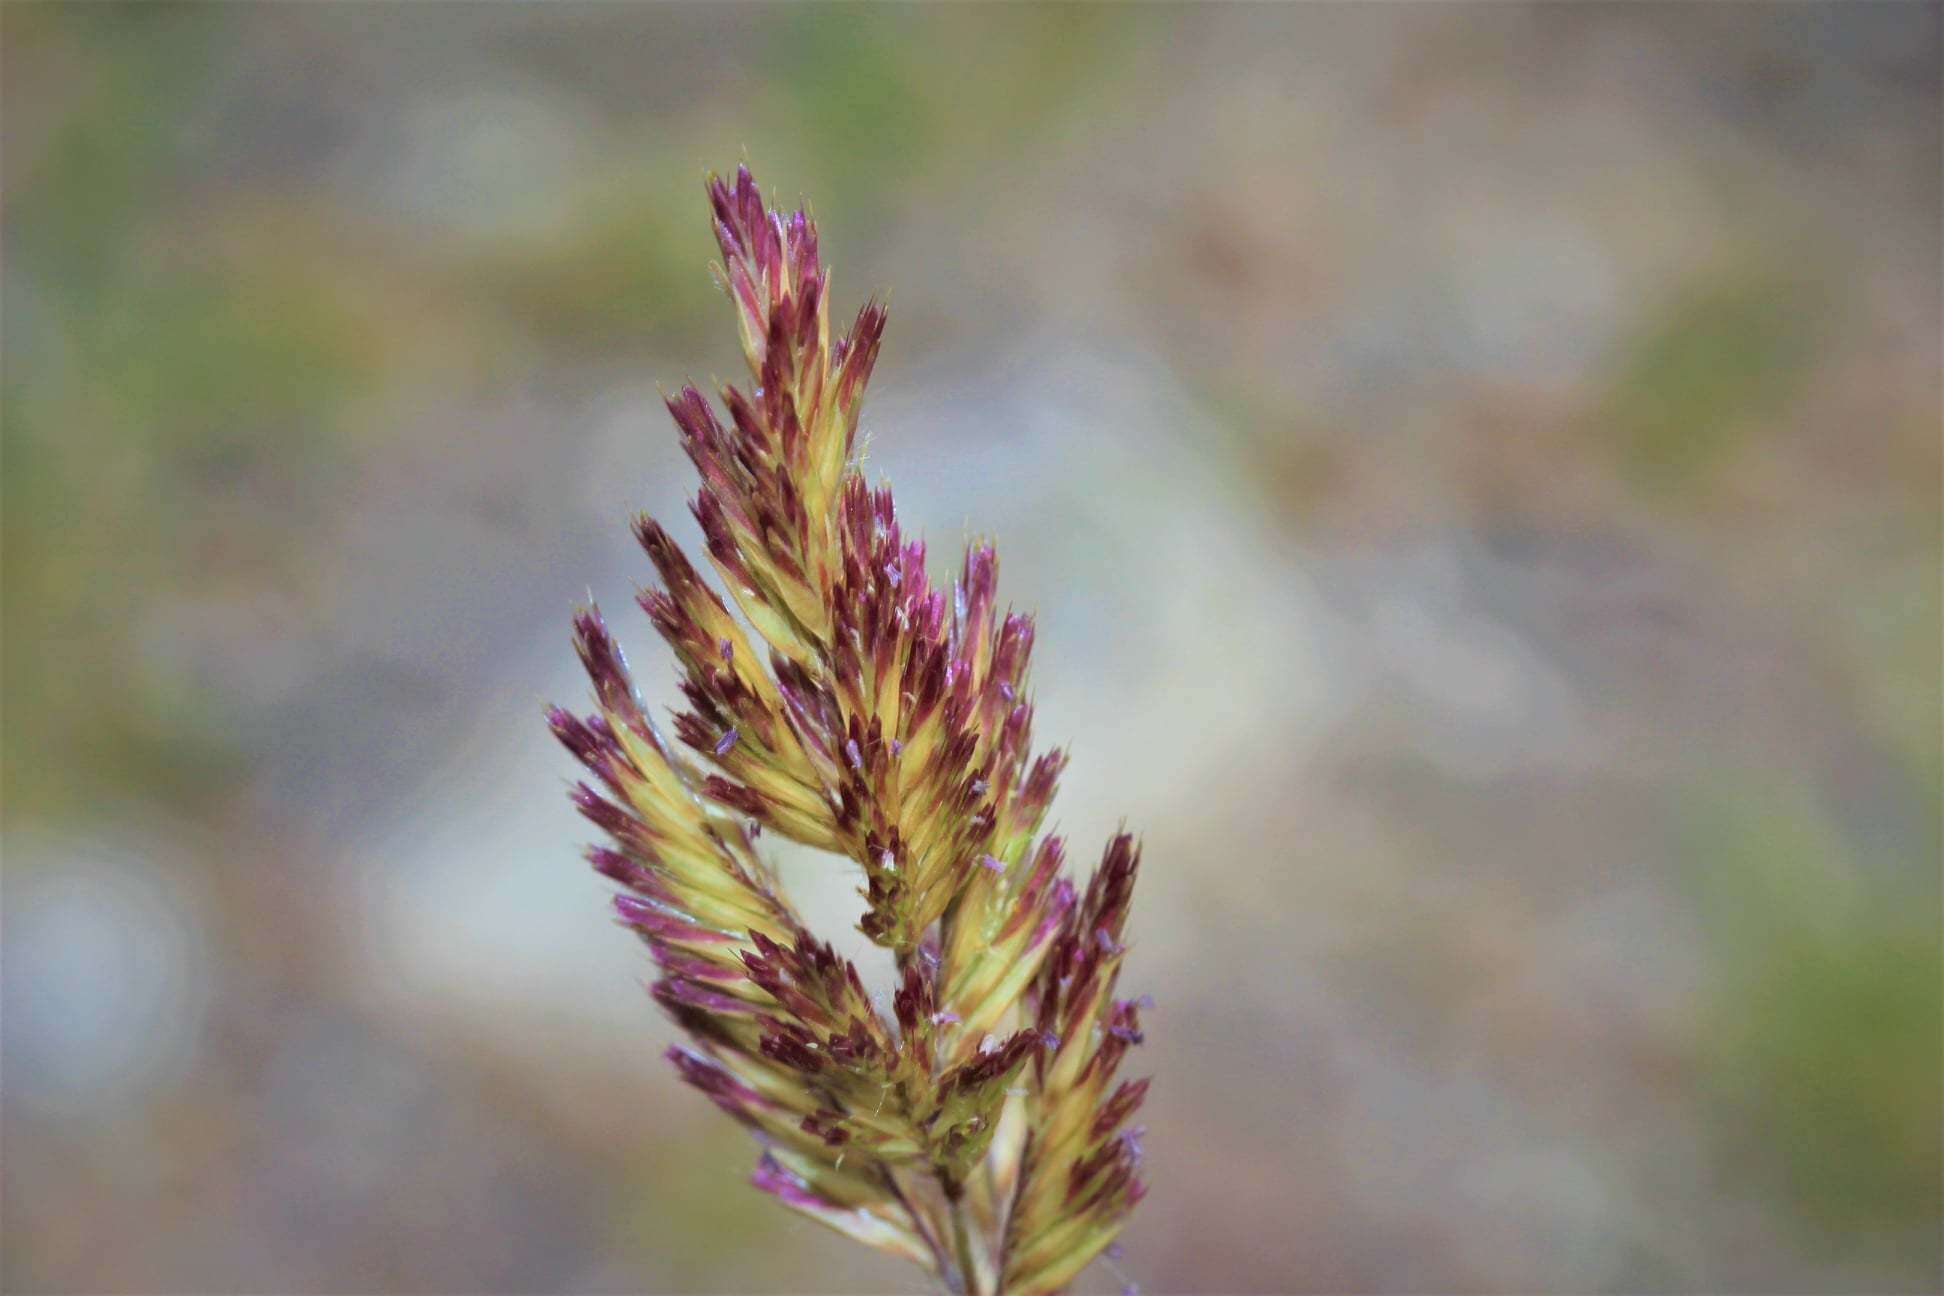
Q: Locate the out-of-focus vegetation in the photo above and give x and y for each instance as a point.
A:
(1822, 1034)
(1712, 368)
(1478, 470)
(172, 407)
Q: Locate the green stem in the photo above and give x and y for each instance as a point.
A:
(962, 1240)
(942, 1260)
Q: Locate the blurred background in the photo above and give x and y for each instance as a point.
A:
(1477, 469)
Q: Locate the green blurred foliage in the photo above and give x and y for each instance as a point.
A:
(1823, 1043)
(882, 96)
(171, 419)
(1895, 623)
(1701, 374)
(622, 270)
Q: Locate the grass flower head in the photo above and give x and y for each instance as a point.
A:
(848, 703)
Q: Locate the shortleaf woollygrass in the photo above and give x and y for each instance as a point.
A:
(976, 1127)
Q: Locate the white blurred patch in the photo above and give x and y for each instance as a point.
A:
(1177, 629)
(475, 901)
(107, 980)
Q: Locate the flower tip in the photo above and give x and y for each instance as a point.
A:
(771, 1177)
(589, 629)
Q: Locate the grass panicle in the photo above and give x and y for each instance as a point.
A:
(848, 703)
